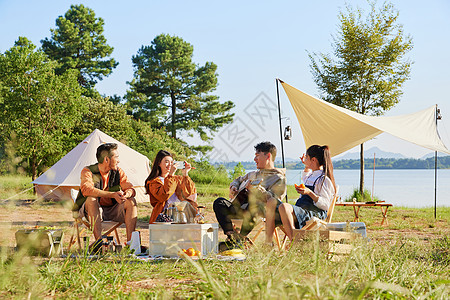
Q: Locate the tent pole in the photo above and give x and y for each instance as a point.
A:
(281, 130)
(438, 117)
(279, 117)
(435, 182)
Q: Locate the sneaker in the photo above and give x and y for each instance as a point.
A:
(144, 250)
(223, 246)
(235, 238)
(96, 247)
(236, 242)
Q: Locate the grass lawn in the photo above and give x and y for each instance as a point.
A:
(407, 259)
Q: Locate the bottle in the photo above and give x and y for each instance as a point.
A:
(199, 217)
(86, 244)
(104, 245)
(110, 244)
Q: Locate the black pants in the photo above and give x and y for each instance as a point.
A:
(225, 213)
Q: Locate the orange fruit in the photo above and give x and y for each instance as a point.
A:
(301, 186)
(198, 253)
(190, 252)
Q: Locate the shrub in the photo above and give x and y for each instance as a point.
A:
(366, 196)
(239, 170)
(206, 173)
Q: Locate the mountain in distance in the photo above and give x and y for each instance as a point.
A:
(431, 154)
(287, 159)
(369, 154)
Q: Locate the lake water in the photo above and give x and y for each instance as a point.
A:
(410, 188)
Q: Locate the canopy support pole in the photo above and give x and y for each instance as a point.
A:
(438, 117)
(281, 129)
(435, 182)
(279, 118)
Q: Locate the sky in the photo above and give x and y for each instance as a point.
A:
(252, 43)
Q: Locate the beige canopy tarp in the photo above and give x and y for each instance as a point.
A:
(341, 129)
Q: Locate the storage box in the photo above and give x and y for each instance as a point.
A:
(337, 243)
(357, 227)
(167, 239)
(40, 241)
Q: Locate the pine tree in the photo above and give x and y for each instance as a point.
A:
(170, 90)
(78, 43)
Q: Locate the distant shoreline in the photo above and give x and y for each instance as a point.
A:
(354, 164)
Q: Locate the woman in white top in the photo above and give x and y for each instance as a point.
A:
(316, 195)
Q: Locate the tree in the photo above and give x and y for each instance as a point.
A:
(38, 106)
(170, 91)
(369, 69)
(102, 114)
(238, 170)
(78, 43)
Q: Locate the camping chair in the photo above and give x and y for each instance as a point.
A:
(108, 227)
(259, 227)
(313, 223)
(237, 224)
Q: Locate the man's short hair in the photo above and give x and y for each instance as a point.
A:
(105, 150)
(267, 147)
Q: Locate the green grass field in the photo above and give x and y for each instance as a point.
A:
(408, 259)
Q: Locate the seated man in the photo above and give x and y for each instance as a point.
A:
(105, 185)
(250, 193)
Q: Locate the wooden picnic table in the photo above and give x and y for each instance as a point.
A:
(357, 206)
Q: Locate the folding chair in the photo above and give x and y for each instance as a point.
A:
(237, 224)
(108, 226)
(313, 223)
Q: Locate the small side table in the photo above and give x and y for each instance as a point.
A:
(357, 206)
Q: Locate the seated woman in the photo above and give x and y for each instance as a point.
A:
(165, 188)
(317, 194)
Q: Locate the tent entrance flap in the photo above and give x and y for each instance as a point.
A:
(341, 129)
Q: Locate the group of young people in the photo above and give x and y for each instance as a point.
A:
(260, 193)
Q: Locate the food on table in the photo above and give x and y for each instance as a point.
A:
(189, 252)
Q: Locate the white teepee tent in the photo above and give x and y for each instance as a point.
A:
(63, 176)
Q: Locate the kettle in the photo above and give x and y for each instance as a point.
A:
(180, 217)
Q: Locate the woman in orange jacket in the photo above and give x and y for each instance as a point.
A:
(164, 187)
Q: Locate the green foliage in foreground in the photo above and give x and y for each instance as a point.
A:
(400, 269)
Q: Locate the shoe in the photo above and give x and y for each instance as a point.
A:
(144, 250)
(231, 243)
(235, 238)
(96, 247)
(223, 246)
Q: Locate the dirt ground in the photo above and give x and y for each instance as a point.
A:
(26, 214)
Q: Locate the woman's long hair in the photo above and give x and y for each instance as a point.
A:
(156, 169)
(323, 156)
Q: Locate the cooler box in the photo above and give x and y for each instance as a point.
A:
(357, 227)
(167, 239)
